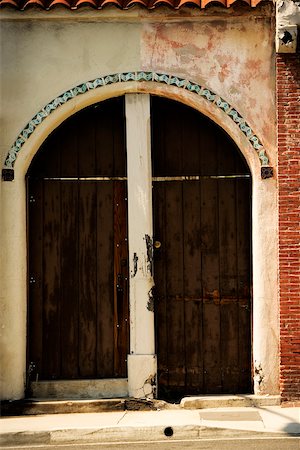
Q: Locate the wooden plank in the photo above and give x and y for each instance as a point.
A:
(244, 282)
(105, 280)
(66, 144)
(69, 276)
(35, 275)
(211, 290)
(161, 317)
(227, 154)
(167, 144)
(119, 139)
(158, 140)
(86, 144)
(208, 145)
(121, 306)
(87, 279)
(228, 283)
(52, 281)
(87, 247)
(104, 141)
(192, 272)
(173, 141)
(174, 285)
(190, 149)
(67, 147)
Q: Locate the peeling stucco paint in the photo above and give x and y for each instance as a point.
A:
(149, 387)
(258, 375)
(222, 61)
(135, 264)
(149, 246)
(150, 304)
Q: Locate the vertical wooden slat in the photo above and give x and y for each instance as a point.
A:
(105, 280)
(104, 139)
(192, 286)
(211, 290)
(174, 285)
(87, 279)
(243, 202)
(69, 253)
(87, 248)
(228, 285)
(69, 276)
(67, 147)
(191, 138)
(118, 128)
(161, 316)
(158, 141)
(52, 280)
(228, 267)
(210, 262)
(121, 312)
(104, 146)
(191, 165)
(35, 274)
(157, 138)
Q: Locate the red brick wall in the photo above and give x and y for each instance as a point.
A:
(288, 106)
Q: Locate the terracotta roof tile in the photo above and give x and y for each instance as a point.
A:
(122, 4)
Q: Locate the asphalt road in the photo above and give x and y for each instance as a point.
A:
(254, 443)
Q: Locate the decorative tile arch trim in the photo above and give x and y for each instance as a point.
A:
(170, 80)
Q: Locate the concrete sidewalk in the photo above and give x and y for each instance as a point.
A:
(133, 426)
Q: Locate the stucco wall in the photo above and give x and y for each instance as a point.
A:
(231, 54)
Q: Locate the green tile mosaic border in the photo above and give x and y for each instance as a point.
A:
(170, 80)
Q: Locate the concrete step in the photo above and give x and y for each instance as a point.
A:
(224, 401)
(67, 406)
(49, 406)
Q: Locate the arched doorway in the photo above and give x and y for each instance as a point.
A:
(202, 255)
(78, 254)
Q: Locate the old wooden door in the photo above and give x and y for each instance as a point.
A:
(202, 263)
(77, 242)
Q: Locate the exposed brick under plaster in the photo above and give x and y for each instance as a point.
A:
(288, 104)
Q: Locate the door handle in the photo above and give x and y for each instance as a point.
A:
(157, 244)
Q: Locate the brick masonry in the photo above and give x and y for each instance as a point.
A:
(288, 104)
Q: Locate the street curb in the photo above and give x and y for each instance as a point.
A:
(127, 434)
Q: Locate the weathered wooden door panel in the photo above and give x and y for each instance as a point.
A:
(201, 207)
(78, 254)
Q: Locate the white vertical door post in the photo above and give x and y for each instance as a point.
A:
(142, 364)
